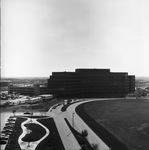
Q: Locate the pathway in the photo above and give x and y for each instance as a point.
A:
(78, 124)
(32, 145)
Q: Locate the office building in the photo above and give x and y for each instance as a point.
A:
(28, 89)
(91, 83)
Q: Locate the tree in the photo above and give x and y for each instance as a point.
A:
(31, 116)
(84, 133)
(28, 138)
(14, 111)
(95, 146)
(81, 140)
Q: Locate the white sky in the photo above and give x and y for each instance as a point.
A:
(43, 36)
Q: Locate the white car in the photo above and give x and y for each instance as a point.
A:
(5, 137)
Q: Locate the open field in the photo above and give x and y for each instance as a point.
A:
(127, 120)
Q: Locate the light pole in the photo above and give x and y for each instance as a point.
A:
(72, 122)
(73, 119)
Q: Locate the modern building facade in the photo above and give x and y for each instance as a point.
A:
(30, 90)
(65, 84)
(91, 83)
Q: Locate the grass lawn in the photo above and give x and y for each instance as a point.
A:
(37, 132)
(127, 120)
(51, 142)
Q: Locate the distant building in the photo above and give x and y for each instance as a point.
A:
(4, 85)
(5, 82)
(131, 84)
(91, 83)
(26, 89)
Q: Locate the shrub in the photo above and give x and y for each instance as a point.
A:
(84, 133)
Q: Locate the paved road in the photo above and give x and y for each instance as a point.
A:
(78, 124)
(92, 137)
(68, 139)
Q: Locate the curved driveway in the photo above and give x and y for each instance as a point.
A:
(77, 123)
(80, 125)
(68, 139)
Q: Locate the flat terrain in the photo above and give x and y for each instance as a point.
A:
(38, 107)
(51, 142)
(127, 120)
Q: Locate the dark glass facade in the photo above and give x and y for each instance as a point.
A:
(91, 83)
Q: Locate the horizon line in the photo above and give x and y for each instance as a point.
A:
(48, 76)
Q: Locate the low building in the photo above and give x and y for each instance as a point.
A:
(4, 85)
(26, 89)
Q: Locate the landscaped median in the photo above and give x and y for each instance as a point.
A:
(82, 138)
(79, 125)
(34, 133)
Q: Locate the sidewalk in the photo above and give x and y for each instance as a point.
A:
(80, 125)
(33, 145)
(68, 139)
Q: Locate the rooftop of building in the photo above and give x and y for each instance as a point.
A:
(90, 71)
(86, 70)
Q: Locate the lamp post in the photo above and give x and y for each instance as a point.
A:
(73, 119)
(72, 122)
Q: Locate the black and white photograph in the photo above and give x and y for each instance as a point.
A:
(74, 75)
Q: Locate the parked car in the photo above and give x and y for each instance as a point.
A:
(27, 113)
(4, 137)
(11, 122)
(8, 133)
(11, 119)
(8, 128)
(9, 125)
(2, 142)
(3, 134)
